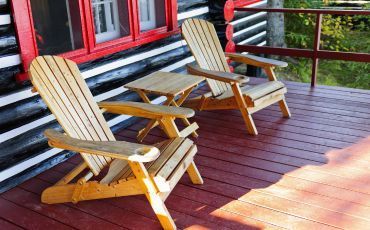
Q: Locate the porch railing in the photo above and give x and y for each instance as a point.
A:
(315, 53)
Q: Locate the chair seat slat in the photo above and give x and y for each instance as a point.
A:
(172, 152)
(165, 153)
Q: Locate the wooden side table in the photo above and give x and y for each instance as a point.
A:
(170, 85)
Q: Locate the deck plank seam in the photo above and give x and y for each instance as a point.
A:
(38, 213)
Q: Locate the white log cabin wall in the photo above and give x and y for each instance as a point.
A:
(23, 149)
(250, 28)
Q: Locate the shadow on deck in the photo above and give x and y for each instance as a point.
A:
(307, 172)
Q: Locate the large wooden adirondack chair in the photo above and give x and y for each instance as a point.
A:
(133, 169)
(226, 90)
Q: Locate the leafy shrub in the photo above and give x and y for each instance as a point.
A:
(339, 33)
(300, 27)
(362, 22)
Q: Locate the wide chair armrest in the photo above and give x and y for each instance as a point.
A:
(217, 75)
(255, 60)
(115, 149)
(139, 109)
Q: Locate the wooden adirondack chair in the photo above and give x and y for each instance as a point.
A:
(226, 92)
(133, 169)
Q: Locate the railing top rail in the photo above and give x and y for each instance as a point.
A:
(306, 11)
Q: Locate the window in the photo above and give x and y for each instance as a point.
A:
(152, 14)
(83, 30)
(106, 20)
(57, 26)
(111, 19)
(147, 15)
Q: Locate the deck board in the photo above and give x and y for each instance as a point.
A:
(307, 172)
(7, 225)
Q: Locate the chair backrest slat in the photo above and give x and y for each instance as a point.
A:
(61, 86)
(203, 42)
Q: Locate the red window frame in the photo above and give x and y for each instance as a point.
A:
(26, 37)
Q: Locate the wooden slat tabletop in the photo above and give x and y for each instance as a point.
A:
(164, 83)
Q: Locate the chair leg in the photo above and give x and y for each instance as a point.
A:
(194, 174)
(284, 108)
(169, 127)
(251, 127)
(161, 211)
(153, 195)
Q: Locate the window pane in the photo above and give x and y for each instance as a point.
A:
(111, 19)
(152, 14)
(57, 26)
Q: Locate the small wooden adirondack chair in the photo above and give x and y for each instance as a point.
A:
(226, 92)
(132, 169)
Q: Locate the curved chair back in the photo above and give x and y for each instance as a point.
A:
(61, 85)
(204, 44)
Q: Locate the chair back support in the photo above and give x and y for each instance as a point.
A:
(204, 44)
(61, 86)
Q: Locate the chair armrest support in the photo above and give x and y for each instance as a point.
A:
(255, 60)
(217, 75)
(115, 149)
(145, 110)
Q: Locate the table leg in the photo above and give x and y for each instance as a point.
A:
(152, 123)
(179, 102)
(144, 132)
(183, 97)
(170, 100)
(186, 122)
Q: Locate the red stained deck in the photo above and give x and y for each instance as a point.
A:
(308, 172)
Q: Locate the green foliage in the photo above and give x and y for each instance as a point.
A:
(339, 33)
(298, 71)
(349, 74)
(362, 22)
(330, 72)
(300, 27)
(299, 31)
(333, 32)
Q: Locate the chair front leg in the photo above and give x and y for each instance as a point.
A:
(153, 195)
(282, 104)
(270, 73)
(169, 127)
(284, 108)
(194, 174)
(251, 127)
